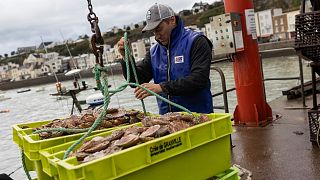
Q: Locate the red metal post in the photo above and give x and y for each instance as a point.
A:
(252, 109)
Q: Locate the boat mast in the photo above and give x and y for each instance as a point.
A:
(66, 43)
(45, 49)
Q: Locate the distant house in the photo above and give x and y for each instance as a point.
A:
(52, 66)
(14, 74)
(138, 49)
(33, 59)
(280, 26)
(114, 29)
(26, 49)
(291, 16)
(3, 72)
(44, 45)
(199, 7)
(110, 56)
(91, 60)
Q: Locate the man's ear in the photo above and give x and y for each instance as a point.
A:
(173, 20)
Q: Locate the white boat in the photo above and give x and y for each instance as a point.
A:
(23, 90)
(95, 99)
(72, 72)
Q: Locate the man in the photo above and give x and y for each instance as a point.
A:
(179, 63)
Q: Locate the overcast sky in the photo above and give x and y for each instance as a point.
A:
(23, 22)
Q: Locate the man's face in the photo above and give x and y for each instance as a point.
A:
(163, 31)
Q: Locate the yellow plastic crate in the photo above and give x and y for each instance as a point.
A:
(32, 143)
(198, 152)
(230, 174)
(20, 130)
(48, 156)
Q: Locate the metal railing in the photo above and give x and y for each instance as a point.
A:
(225, 91)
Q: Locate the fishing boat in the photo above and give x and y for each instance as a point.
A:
(23, 90)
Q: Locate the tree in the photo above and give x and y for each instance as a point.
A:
(128, 28)
(136, 26)
(1, 56)
(12, 53)
(144, 23)
(6, 55)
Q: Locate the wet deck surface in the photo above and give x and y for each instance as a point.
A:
(279, 150)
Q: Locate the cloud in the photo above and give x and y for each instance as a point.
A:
(22, 22)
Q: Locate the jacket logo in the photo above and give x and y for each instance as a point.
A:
(178, 59)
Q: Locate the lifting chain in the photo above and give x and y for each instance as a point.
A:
(97, 42)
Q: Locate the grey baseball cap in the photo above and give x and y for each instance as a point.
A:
(156, 14)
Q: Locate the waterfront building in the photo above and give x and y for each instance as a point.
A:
(280, 25)
(291, 23)
(138, 50)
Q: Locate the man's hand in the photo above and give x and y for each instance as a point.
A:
(120, 45)
(141, 94)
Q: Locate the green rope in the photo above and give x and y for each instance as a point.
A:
(162, 98)
(97, 122)
(67, 130)
(24, 165)
(128, 54)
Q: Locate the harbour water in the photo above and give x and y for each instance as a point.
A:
(36, 106)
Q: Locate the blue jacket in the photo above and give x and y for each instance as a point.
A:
(173, 63)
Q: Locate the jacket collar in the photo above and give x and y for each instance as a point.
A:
(177, 32)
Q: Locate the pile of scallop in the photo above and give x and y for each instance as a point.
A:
(153, 127)
(114, 117)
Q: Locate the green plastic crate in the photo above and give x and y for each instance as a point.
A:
(230, 174)
(198, 152)
(18, 130)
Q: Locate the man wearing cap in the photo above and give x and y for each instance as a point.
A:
(179, 63)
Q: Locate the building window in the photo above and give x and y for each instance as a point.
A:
(276, 22)
(281, 21)
(135, 50)
(282, 28)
